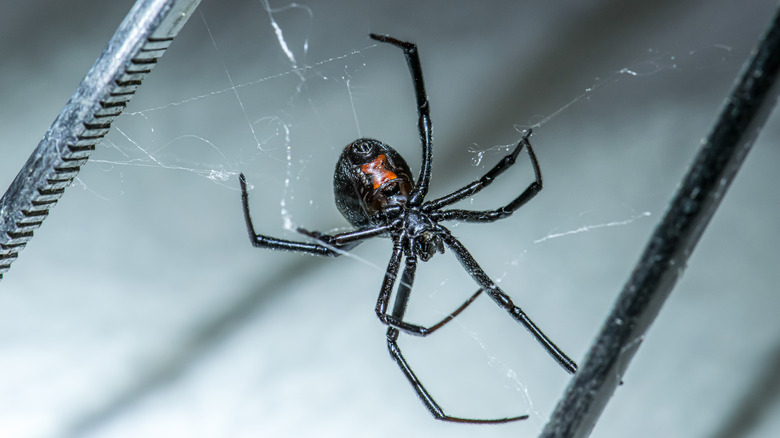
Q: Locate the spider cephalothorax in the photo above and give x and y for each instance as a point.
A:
(376, 193)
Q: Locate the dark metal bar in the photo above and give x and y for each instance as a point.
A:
(142, 38)
(664, 259)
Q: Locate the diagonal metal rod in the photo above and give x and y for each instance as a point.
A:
(664, 259)
(142, 38)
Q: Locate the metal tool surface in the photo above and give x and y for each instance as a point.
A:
(141, 39)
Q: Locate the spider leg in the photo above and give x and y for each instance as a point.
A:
(424, 395)
(395, 321)
(387, 284)
(418, 330)
(499, 213)
(396, 316)
(404, 290)
(344, 241)
(475, 186)
(505, 301)
(423, 111)
(334, 243)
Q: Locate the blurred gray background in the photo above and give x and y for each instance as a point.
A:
(140, 308)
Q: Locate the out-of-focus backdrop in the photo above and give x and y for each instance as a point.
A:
(141, 309)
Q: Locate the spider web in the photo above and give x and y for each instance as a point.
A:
(282, 112)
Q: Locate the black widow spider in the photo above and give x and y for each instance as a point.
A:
(376, 193)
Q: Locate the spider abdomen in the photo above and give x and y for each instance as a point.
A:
(370, 176)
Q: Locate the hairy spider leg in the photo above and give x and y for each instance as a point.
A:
(503, 300)
(389, 280)
(424, 395)
(475, 187)
(420, 190)
(332, 245)
(490, 215)
(395, 318)
(395, 321)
